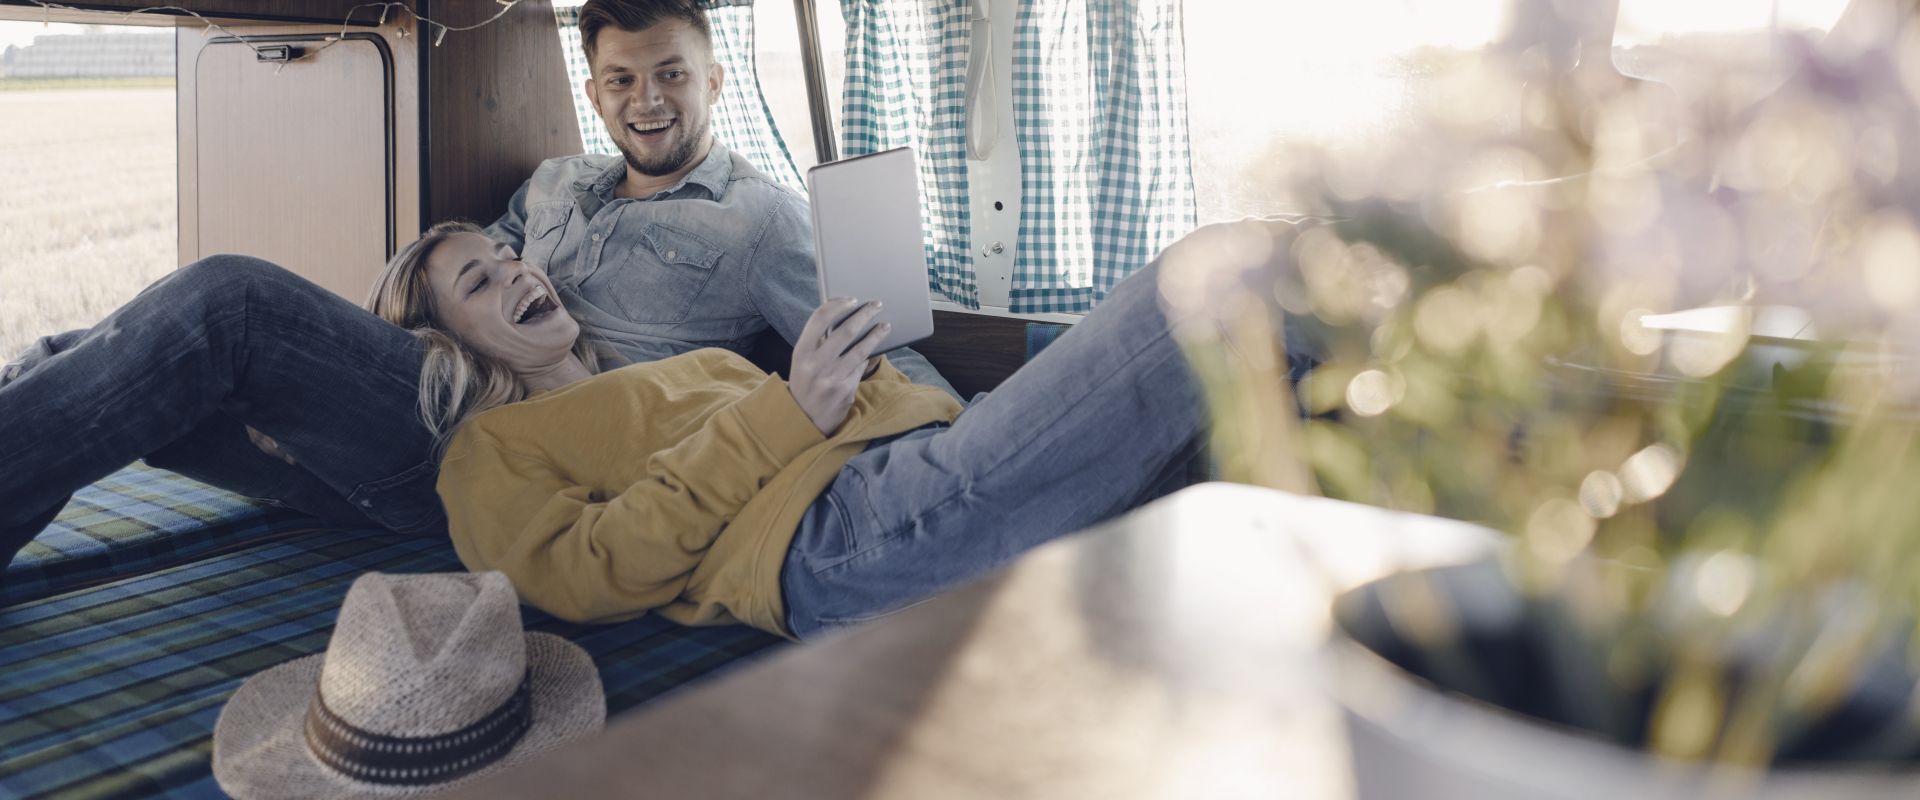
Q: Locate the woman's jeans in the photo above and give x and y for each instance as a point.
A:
(1074, 437)
(178, 374)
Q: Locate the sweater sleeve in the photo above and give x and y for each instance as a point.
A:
(583, 557)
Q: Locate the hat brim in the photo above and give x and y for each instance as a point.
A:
(260, 746)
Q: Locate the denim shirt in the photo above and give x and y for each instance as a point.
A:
(708, 262)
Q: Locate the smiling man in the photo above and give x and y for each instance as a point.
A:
(652, 96)
(677, 243)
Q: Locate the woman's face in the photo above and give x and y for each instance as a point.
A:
(498, 306)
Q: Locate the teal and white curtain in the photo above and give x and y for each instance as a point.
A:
(906, 86)
(741, 119)
(1100, 112)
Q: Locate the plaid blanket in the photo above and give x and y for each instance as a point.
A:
(133, 522)
(113, 690)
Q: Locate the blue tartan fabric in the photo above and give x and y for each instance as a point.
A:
(741, 119)
(906, 87)
(114, 690)
(132, 522)
(1100, 113)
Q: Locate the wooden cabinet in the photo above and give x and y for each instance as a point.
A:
(292, 162)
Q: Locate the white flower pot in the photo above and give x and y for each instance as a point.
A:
(1410, 740)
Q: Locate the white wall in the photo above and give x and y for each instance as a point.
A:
(996, 179)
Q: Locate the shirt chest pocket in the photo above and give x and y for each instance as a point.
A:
(545, 228)
(659, 278)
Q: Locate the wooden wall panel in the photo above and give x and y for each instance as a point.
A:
(407, 112)
(975, 352)
(498, 104)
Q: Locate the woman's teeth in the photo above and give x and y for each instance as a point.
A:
(535, 303)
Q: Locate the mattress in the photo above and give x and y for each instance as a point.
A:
(112, 689)
(133, 522)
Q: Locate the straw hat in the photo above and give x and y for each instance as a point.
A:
(428, 680)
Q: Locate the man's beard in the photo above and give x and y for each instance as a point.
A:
(669, 163)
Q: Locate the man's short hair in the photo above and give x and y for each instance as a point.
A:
(638, 15)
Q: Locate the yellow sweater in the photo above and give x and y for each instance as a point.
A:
(673, 486)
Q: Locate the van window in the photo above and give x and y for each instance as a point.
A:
(783, 72)
(88, 204)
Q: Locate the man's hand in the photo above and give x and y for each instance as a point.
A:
(831, 358)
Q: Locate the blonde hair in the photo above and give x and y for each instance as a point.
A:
(455, 381)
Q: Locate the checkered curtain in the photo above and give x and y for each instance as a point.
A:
(741, 119)
(1100, 111)
(906, 86)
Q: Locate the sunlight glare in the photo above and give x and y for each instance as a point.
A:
(1643, 21)
(1318, 70)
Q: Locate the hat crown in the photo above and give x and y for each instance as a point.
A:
(422, 655)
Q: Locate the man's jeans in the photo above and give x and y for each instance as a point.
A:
(1071, 439)
(177, 375)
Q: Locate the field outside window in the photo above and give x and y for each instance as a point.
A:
(87, 208)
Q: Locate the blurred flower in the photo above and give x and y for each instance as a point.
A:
(1476, 302)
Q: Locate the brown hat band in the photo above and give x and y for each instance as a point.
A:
(417, 760)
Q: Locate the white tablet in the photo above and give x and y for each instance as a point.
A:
(867, 241)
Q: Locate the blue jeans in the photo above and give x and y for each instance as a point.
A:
(1080, 434)
(176, 376)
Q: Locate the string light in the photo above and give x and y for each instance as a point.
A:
(440, 33)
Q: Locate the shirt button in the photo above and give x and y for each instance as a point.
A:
(596, 237)
(672, 254)
(366, 504)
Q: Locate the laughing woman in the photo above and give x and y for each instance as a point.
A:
(707, 491)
